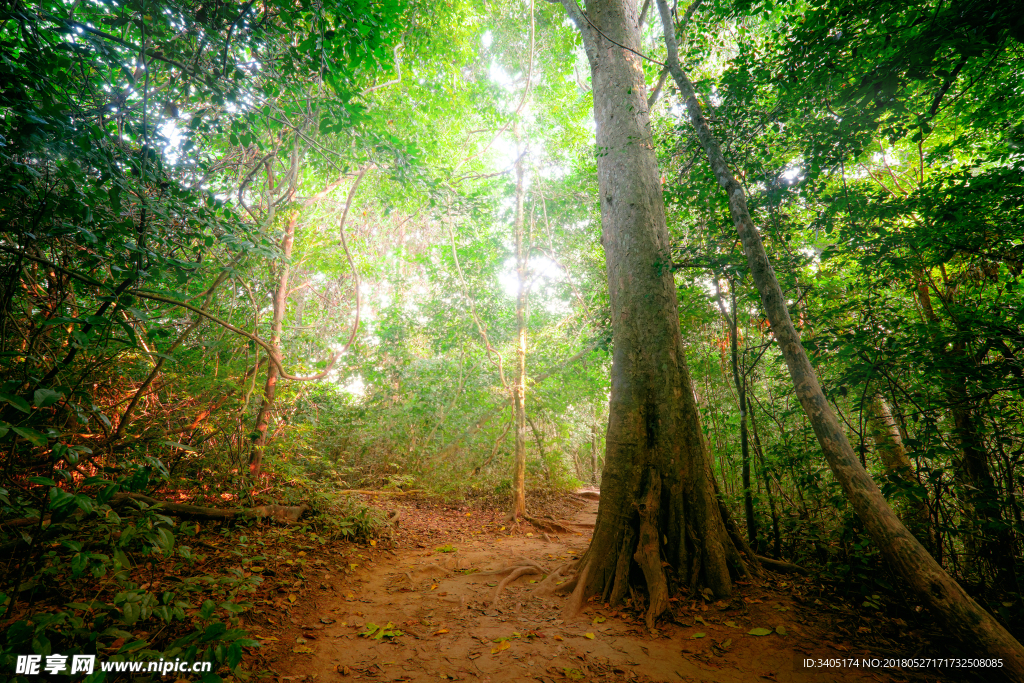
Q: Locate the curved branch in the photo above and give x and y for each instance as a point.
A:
(344, 245)
(395, 81)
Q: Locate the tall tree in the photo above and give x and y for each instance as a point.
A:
(519, 384)
(932, 584)
(658, 493)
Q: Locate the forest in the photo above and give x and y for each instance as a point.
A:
(674, 318)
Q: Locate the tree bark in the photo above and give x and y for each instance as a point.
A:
(273, 373)
(519, 385)
(963, 617)
(654, 440)
(741, 392)
(885, 434)
(776, 535)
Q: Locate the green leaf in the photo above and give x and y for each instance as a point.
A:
(44, 398)
(16, 401)
(697, 635)
(759, 631)
(181, 446)
(37, 438)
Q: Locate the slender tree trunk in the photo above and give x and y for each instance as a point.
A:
(519, 385)
(885, 433)
(741, 393)
(963, 617)
(273, 373)
(453, 446)
(593, 452)
(776, 535)
(657, 492)
(990, 539)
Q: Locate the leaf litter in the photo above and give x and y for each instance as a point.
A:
(441, 599)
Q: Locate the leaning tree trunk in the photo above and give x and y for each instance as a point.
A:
(273, 371)
(658, 505)
(964, 618)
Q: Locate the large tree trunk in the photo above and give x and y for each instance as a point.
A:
(273, 372)
(519, 385)
(658, 501)
(964, 618)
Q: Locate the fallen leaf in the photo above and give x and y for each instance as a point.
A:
(699, 620)
(302, 650)
(266, 638)
(759, 631)
(780, 629)
(292, 597)
(373, 542)
(557, 638)
(599, 620)
(504, 645)
(344, 670)
(588, 635)
(440, 631)
(731, 624)
(697, 635)
(256, 569)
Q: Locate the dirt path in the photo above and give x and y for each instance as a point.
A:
(434, 590)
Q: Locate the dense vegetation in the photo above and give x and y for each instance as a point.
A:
(256, 253)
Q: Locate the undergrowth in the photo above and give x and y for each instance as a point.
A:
(124, 581)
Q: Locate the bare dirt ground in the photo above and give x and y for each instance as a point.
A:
(424, 610)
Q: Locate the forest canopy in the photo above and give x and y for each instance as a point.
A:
(256, 254)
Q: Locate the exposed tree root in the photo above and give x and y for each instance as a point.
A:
(750, 566)
(515, 574)
(517, 563)
(588, 495)
(578, 586)
(549, 524)
(780, 566)
(550, 583)
(648, 552)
